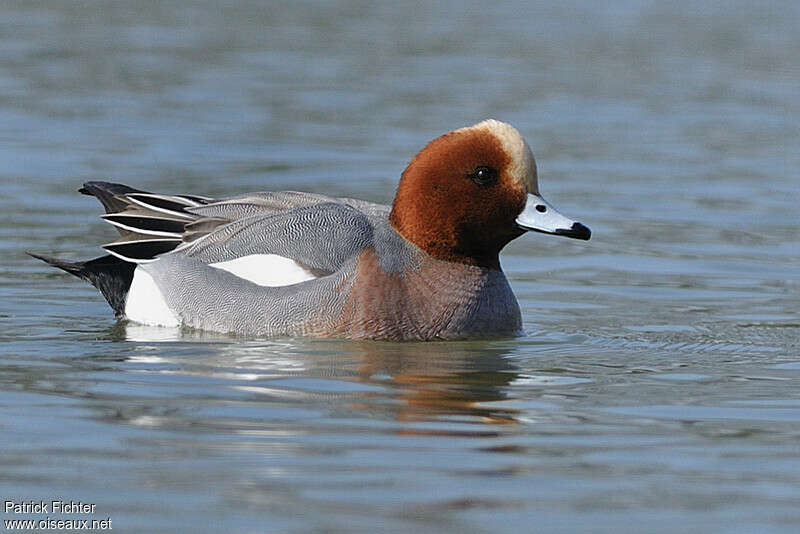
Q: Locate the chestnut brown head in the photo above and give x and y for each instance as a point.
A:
(463, 197)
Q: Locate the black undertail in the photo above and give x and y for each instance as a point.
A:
(111, 275)
(149, 225)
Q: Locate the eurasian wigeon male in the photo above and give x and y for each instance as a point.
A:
(303, 264)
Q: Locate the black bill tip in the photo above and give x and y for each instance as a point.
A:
(577, 231)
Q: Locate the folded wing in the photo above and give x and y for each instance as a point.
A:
(270, 238)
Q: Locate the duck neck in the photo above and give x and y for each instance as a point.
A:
(445, 242)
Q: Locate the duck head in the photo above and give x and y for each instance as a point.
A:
(468, 193)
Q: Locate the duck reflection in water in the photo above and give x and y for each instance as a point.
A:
(435, 381)
(459, 381)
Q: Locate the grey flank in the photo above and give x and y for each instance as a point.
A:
(322, 233)
(212, 299)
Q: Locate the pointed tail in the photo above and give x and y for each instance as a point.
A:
(111, 275)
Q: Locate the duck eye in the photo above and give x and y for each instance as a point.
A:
(483, 175)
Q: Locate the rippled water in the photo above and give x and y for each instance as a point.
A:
(657, 388)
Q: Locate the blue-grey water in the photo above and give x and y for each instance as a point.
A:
(656, 388)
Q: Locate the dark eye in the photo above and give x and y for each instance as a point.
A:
(483, 175)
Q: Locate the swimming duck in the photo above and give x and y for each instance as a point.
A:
(304, 264)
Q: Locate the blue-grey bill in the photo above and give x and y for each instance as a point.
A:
(539, 216)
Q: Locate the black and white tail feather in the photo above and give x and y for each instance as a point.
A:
(149, 225)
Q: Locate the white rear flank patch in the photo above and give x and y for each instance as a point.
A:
(146, 304)
(266, 270)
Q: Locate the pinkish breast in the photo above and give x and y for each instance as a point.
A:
(432, 299)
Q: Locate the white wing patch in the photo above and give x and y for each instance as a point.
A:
(146, 304)
(266, 270)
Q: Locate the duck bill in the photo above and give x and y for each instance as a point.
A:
(539, 216)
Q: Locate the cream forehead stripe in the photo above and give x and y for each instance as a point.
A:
(523, 166)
